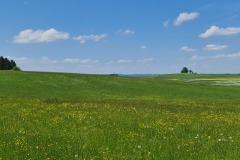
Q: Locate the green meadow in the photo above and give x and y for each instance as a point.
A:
(78, 116)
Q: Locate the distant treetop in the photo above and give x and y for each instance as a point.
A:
(184, 70)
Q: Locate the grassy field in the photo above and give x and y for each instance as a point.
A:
(74, 116)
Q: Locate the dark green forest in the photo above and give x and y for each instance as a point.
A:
(6, 64)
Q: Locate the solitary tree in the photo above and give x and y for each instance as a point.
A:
(184, 70)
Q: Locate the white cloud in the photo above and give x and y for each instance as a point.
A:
(187, 49)
(231, 56)
(19, 59)
(81, 61)
(48, 60)
(124, 61)
(32, 60)
(36, 64)
(216, 31)
(218, 56)
(84, 38)
(183, 17)
(110, 62)
(143, 46)
(39, 36)
(197, 57)
(166, 23)
(146, 60)
(215, 47)
(126, 32)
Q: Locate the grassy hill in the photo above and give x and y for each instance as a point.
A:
(66, 85)
(77, 116)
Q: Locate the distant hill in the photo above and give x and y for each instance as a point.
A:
(84, 86)
(137, 75)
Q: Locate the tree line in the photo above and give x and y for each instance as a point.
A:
(6, 64)
(186, 70)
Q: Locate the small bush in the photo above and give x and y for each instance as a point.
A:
(114, 74)
(15, 68)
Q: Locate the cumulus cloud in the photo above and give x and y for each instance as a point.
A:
(216, 31)
(126, 32)
(218, 56)
(84, 38)
(183, 17)
(187, 49)
(124, 61)
(39, 36)
(215, 47)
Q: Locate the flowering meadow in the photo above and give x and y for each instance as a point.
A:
(189, 125)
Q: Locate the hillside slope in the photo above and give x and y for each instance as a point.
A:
(67, 85)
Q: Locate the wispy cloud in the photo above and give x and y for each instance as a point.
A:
(40, 36)
(45, 60)
(218, 56)
(143, 46)
(166, 23)
(215, 47)
(231, 56)
(216, 31)
(26, 2)
(48, 60)
(19, 59)
(80, 61)
(126, 32)
(183, 17)
(146, 60)
(84, 38)
(124, 61)
(187, 49)
(196, 57)
(36, 64)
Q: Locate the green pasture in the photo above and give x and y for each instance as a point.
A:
(77, 116)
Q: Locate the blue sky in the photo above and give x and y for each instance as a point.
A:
(121, 36)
